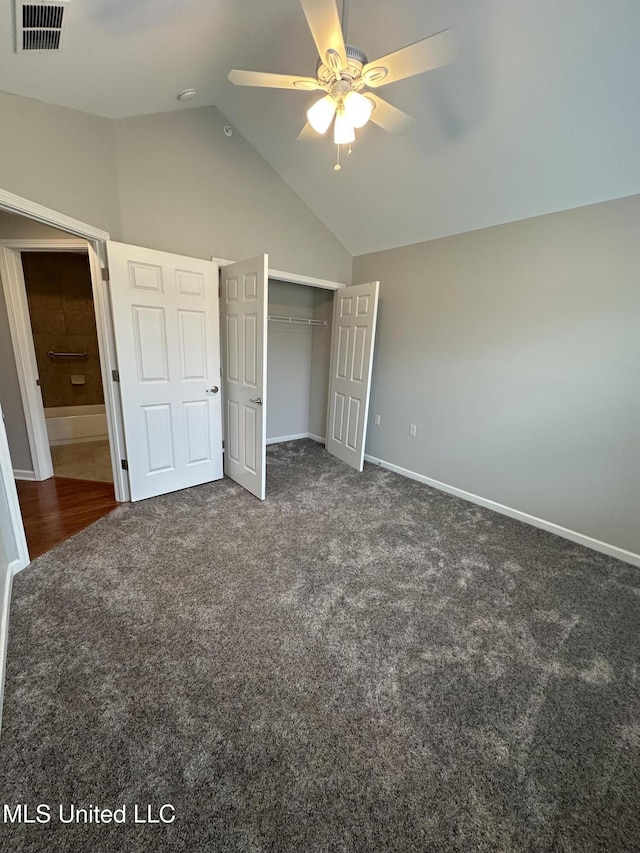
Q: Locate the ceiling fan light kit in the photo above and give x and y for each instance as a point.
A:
(357, 108)
(321, 114)
(343, 71)
(343, 131)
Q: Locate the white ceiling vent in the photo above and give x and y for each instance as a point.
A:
(39, 25)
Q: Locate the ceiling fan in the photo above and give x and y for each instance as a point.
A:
(345, 74)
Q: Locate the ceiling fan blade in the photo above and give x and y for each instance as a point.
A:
(324, 23)
(432, 52)
(389, 118)
(308, 133)
(273, 81)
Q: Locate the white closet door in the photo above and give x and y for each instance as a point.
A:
(244, 346)
(355, 312)
(165, 312)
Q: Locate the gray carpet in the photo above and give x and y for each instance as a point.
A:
(361, 663)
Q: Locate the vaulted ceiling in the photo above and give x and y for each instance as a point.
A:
(540, 112)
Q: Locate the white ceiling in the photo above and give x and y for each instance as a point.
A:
(541, 111)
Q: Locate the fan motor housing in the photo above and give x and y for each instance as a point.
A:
(356, 59)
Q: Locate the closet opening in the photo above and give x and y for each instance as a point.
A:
(298, 360)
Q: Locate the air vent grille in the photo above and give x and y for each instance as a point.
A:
(40, 16)
(40, 25)
(40, 39)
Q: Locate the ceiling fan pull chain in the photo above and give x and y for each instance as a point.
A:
(337, 167)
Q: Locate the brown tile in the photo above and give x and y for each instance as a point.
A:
(46, 320)
(79, 321)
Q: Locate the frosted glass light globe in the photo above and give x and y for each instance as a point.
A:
(357, 109)
(321, 114)
(343, 131)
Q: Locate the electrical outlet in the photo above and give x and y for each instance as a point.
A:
(412, 429)
(376, 420)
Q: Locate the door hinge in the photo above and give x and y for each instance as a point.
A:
(223, 443)
(38, 382)
(125, 464)
(105, 273)
(115, 375)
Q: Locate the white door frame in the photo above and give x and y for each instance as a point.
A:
(15, 294)
(21, 556)
(292, 277)
(93, 241)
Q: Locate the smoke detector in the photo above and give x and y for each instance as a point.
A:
(39, 25)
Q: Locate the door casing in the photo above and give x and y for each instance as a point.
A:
(25, 357)
(95, 242)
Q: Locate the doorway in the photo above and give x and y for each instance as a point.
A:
(65, 337)
(53, 385)
(65, 341)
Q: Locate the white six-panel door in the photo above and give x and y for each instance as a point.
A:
(355, 311)
(166, 322)
(243, 308)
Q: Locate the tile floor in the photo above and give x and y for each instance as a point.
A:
(88, 461)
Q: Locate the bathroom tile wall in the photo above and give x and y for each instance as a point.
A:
(63, 320)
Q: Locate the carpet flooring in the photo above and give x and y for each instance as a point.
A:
(360, 663)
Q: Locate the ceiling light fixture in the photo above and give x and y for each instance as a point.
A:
(344, 74)
(343, 131)
(357, 108)
(321, 114)
(354, 109)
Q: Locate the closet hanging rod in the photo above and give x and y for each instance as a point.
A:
(53, 354)
(302, 321)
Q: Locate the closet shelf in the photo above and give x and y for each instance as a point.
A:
(298, 321)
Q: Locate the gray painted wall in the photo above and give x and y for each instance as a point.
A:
(186, 187)
(516, 351)
(16, 227)
(60, 158)
(170, 181)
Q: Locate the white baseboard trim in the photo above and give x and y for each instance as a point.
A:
(23, 474)
(282, 438)
(287, 438)
(549, 526)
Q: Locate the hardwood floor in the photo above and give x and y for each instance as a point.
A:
(55, 509)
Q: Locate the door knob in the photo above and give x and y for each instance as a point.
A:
(258, 401)
(213, 390)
